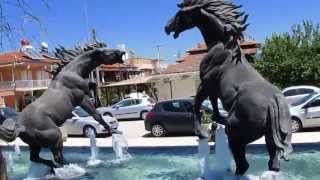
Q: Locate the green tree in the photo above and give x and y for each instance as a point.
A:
(292, 58)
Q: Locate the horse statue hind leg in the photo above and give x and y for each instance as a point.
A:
(51, 139)
(278, 132)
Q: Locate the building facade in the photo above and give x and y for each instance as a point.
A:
(21, 77)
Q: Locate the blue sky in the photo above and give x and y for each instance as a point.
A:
(140, 23)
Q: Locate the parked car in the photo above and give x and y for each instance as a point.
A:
(172, 116)
(131, 108)
(305, 112)
(222, 111)
(81, 123)
(6, 113)
(295, 93)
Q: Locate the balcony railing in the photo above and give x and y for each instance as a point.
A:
(6, 86)
(25, 85)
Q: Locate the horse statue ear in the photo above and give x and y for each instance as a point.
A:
(180, 5)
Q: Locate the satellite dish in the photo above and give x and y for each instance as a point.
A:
(44, 45)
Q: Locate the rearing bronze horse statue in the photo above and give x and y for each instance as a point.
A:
(255, 106)
(38, 124)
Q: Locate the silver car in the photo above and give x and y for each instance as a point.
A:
(131, 108)
(295, 93)
(305, 112)
(82, 123)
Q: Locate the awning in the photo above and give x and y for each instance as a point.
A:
(134, 81)
(155, 78)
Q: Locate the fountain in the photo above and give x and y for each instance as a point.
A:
(223, 169)
(120, 148)
(17, 151)
(93, 161)
(10, 162)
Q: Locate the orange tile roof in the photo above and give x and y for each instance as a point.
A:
(190, 62)
(10, 57)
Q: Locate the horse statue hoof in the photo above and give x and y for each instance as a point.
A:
(202, 134)
(115, 131)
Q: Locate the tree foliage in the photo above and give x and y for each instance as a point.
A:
(292, 58)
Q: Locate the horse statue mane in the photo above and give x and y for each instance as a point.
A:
(225, 16)
(233, 20)
(67, 55)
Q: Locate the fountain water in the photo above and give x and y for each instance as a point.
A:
(10, 162)
(225, 166)
(17, 151)
(120, 148)
(93, 161)
(13, 156)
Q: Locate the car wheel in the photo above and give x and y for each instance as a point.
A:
(158, 130)
(87, 131)
(143, 115)
(295, 125)
(107, 114)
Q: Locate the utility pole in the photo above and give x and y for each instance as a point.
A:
(158, 46)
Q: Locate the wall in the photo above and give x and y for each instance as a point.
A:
(181, 88)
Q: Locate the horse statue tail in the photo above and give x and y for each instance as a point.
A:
(10, 130)
(279, 116)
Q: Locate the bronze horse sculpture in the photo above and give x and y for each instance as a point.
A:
(3, 169)
(38, 124)
(255, 106)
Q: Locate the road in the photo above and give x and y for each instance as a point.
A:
(133, 129)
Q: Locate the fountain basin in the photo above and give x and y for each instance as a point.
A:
(173, 163)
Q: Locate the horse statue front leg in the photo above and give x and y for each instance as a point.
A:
(200, 97)
(89, 108)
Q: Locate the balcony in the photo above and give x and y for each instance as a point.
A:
(25, 85)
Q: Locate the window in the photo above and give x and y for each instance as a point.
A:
(188, 106)
(315, 103)
(292, 92)
(137, 101)
(81, 112)
(304, 91)
(126, 103)
(173, 107)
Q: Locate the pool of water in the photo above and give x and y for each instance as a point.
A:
(172, 164)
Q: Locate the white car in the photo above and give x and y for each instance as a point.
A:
(305, 112)
(82, 123)
(223, 112)
(132, 108)
(294, 93)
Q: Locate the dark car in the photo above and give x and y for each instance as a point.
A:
(6, 113)
(173, 116)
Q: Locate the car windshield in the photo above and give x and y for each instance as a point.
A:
(302, 100)
(8, 112)
(81, 112)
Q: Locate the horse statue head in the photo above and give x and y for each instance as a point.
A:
(97, 51)
(218, 20)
